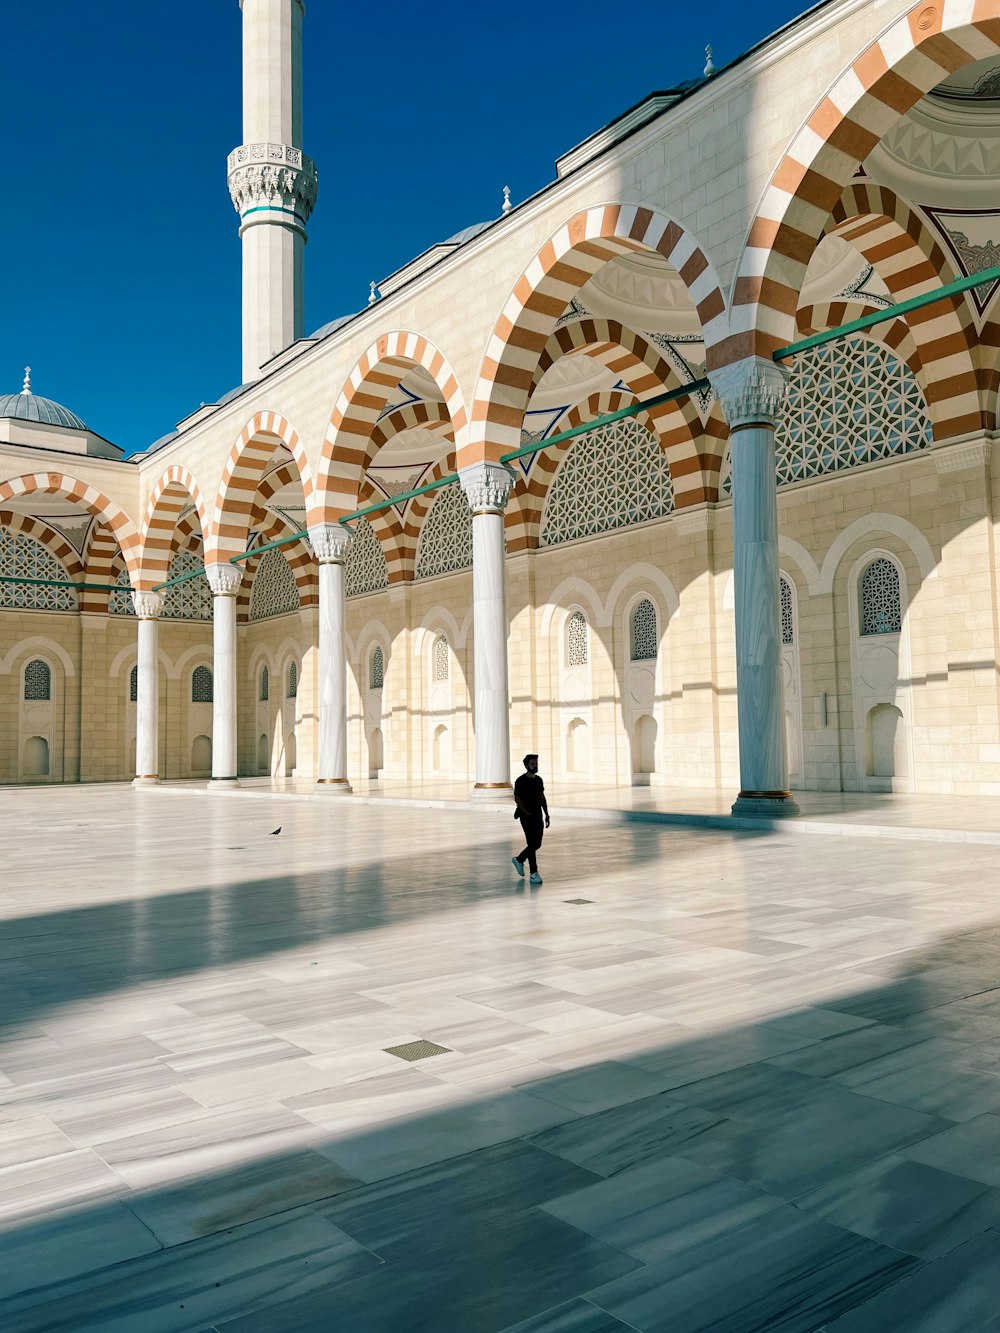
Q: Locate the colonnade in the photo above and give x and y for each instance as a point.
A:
(751, 393)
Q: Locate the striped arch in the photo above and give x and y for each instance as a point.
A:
(916, 52)
(171, 495)
(95, 501)
(103, 562)
(249, 459)
(348, 447)
(895, 334)
(564, 264)
(300, 561)
(901, 247)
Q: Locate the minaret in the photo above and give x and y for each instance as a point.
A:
(272, 182)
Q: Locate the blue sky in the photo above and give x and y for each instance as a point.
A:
(122, 282)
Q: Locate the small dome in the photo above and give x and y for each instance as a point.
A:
(28, 406)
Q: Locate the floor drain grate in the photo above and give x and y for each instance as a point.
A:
(577, 901)
(416, 1050)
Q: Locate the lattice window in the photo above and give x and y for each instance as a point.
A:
(133, 685)
(191, 600)
(441, 658)
(645, 640)
(293, 680)
(365, 568)
(23, 557)
(881, 610)
(849, 403)
(202, 686)
(376, 669)
(120, 601)
(38, 680)
(265, 686)
(610, 478)
(275, 591)
(576, 640)
(787, 612)
(446, 537)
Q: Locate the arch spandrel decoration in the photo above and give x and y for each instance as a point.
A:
(446, 538)
(22, 557)
(365, 568)
(611, 478)
(275, 592)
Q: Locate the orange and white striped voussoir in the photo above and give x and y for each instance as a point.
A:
(227, 533)
(103, 562)
(173, 491)
(79, 492)
(54, 542)
(916, 52)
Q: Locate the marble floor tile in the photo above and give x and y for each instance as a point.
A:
(970, 1149)
(27, 1140)
(574, 1317)
(757, 1092)
(595, 1088)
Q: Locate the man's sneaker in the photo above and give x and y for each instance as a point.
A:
(517, 866)
(536, 878)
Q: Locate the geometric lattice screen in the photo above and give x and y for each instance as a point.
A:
(120, 602)
(446, 537)
(191, 600)
(364, 568)
(24, 558)
(275, 591)
(849, 403)
(609, 478)
(881, 611)
(576, 640)
(644, 636)
(787, 611)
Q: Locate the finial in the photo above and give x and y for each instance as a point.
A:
(372, 293)
(709, 67)
(26, 386)
(507, 205)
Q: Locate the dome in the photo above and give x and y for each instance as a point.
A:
(28, 406)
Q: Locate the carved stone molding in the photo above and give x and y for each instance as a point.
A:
(330, 542)
(148, 605)
(973, 455)
(696, 519)
(751, 391)
(487, 486)
(269, 176)
(224, 580)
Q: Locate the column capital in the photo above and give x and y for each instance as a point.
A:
(224, 580)
(751, 392)
(330, 542)
(148, 605)
(487, 486)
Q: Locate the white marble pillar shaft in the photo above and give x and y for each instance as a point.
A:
(225, 583)
(331, 543)
(148, 606)
(487, 488)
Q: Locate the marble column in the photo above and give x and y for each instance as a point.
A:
(148, 606)
(487, 488)
(751, 393)
(224, 580)
(331, 542)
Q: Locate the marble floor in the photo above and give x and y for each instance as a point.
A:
(714, 1079)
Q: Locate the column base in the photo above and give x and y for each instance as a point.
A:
(334, 786)
(765, 805)
(146, 780)
(491, 791)
(223, 784)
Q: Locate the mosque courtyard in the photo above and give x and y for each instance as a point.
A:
(701, 1079)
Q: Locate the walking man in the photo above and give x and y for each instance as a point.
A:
(529, 793)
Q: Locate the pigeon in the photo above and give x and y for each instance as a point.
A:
(275, 831)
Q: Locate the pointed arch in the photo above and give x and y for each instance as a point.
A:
(174, 490)
(348, 445)
(249, 461)
(916, 52)
(79, 492)
(581, 247)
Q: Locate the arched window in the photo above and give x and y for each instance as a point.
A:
(881, 611)
(38, 680)
(293, 680)
(787, 611)
(643, 636)
(576, 640)
(265, 685)
(133, 685)
(376, 669)
(441, 658)
(201, 685)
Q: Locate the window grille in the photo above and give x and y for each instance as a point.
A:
(787, 613)
(133, 685)
(446, 537)
(576, 640)
(376, 669)
(38, 680)
(23, 557)
(201, 686)
(120, 601)
(881, 612)
(610, 478)
(275, 591)
(441, 662)
(365, 568)
(293, 680)
(644, 635)
(191, 600)
(265, 685)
